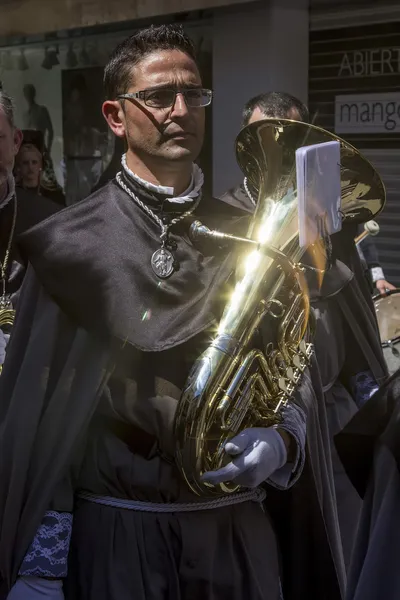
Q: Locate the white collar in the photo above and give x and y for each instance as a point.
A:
(188, 195)
(10, 191)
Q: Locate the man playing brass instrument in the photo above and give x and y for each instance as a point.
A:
(347, 347)
(117, 306)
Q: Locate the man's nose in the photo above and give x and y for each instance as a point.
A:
(179, 107)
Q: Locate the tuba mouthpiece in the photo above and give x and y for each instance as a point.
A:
(198, 231)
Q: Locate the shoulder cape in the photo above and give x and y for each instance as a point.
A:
(94, 259)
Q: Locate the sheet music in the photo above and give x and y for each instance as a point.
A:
(318, 191)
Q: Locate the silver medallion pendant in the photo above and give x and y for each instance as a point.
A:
(162, 263)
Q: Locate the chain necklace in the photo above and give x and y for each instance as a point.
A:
(247, 190)
(163, 261)
(6, 311)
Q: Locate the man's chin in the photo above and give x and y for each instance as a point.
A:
(181, 152)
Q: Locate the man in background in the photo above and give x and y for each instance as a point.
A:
(273, 105)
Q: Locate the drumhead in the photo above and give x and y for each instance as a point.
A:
(387, 310)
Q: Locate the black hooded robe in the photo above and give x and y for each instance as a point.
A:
(82, 355)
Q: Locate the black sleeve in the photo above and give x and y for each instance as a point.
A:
(355, 360)
(370, 252)
(362, 339)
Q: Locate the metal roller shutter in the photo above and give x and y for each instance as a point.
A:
(362, 64)
(334, 14)
(387, 163)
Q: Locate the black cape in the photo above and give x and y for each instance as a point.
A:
(90, 265)
(106, 269)
(370, 451)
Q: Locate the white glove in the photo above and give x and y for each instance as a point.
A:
(259, 452)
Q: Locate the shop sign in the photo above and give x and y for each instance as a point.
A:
(368, 113)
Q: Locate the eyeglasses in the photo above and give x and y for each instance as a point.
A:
(165, 98)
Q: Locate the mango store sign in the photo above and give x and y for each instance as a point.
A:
(368, 113)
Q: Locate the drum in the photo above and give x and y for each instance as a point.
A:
(387, 310)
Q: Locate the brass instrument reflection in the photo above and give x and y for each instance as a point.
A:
(236, 384)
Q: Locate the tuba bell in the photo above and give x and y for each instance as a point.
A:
(235, 384)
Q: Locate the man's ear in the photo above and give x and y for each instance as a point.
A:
(114, 115)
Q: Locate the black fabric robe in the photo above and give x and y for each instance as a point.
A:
(91, 297)
(370, 451)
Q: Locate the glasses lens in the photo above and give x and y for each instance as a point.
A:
(164, 98)
(198, 97)
(159, 98)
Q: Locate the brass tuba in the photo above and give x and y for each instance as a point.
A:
(234, 384)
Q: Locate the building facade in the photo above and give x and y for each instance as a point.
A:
(354, 91)
(246, 47)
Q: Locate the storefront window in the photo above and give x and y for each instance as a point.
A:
(57, 90)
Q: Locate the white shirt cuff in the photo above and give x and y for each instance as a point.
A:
(377, 274)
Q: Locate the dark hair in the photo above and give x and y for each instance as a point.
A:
(275, 105)
(35, 138)
(117, 74)
(7, 106)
